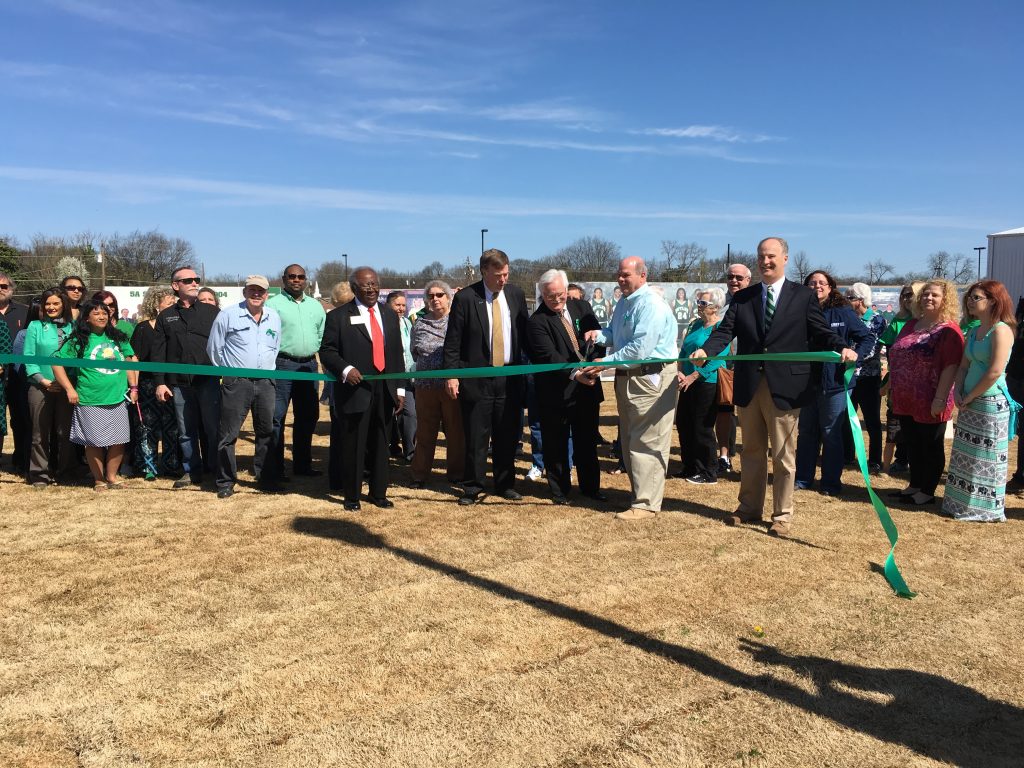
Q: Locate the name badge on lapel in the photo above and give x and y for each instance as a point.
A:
(358, 320)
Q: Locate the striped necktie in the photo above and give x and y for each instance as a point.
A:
(769, 309)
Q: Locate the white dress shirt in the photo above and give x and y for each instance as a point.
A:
(364, 313)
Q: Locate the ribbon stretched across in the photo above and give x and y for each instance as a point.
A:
(890, 569)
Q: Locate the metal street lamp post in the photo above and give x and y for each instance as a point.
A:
(345, 257)
(979, 249)
(482, 233)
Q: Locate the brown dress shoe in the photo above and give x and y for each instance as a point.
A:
(779, 529)
(736, 518)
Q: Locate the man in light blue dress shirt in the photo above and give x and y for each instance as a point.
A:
(642, 327)
(247, 335)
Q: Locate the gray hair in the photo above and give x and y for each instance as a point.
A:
(550, 276)
(437, 284)
(716, 296)
(744, 267)
(862, 291)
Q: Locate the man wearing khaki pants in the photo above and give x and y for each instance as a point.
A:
(642, 327)
(775, 315)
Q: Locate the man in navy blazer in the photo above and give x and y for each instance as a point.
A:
(492, 406)
(775, 315)
(361, 338)
(569, 401)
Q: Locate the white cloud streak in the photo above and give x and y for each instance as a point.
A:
(711, 132)
(142, 188)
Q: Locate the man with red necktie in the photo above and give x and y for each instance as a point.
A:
(363, 338)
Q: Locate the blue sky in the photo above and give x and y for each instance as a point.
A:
(267, 133)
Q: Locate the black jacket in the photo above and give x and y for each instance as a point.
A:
(180, 336)
(549, 343)
(798, 326)
(348, 343)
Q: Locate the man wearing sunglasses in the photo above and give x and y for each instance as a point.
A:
(15, 315)
(302, 330)
(180, 336)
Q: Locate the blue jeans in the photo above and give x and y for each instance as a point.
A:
(305, 401)
(197, 410)
(821, 427)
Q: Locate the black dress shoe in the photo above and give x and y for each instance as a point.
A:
(269, 488)
(418, 484)
(468, 499)
(596, 495)
(225, 493)
(352, 506)
(511, 495)
(309, 472)
(561, 501)
(383, 502)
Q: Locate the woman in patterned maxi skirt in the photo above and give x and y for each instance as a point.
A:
(976, 478)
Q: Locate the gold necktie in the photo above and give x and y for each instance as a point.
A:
(497, 334)
(572, 336)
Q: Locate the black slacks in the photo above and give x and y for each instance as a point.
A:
(696, 415)
(927, 452)
(364, 445)
(495, 410)
(238, 396)
(557, 423)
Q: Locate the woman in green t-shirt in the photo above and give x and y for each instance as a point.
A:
(100, 419)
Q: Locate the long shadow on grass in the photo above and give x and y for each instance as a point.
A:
(926, 713)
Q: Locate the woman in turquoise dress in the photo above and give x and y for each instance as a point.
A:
(976, 478)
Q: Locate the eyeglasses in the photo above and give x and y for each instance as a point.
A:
(78, 288)
(108, 303)
(291, 276)
(850, 297)
(186, 280)
(4, 286)
(735, 277)
(701, 303)
(366, 286)
(436, 295)
(974, 298)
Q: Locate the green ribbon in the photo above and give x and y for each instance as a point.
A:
(890, 570)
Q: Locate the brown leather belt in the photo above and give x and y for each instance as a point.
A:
(643, 370)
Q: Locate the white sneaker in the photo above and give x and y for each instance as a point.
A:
(535, 473)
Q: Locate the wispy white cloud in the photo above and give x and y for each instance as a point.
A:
(712, 132)
(157, 17)
(142, 187)
(542, 112)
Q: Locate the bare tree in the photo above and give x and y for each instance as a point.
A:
(801, 266)
(878, 271)
(588, 257)
(145, 258)
(329, 274)
(686, 259)
(955, 267)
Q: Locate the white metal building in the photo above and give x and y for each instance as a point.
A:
(1006, 261)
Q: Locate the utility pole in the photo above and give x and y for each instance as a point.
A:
(979, 249)
(103, 268)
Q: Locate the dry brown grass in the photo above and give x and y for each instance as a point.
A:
(159, 628)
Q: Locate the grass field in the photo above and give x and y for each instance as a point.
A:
(151, 627)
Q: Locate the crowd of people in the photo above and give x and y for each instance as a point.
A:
(935, 357)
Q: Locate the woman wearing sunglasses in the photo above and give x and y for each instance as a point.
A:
(75, 289)
(976, 479)
(697, 409)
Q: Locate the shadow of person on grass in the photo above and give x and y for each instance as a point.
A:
(933, 716)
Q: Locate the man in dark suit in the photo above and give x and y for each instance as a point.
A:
(363, 337)
(487, 328)
(775, 315)
(569, 401)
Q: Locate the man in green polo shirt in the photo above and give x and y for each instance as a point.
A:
(302, 330)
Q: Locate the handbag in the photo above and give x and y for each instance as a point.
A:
(725, 382)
